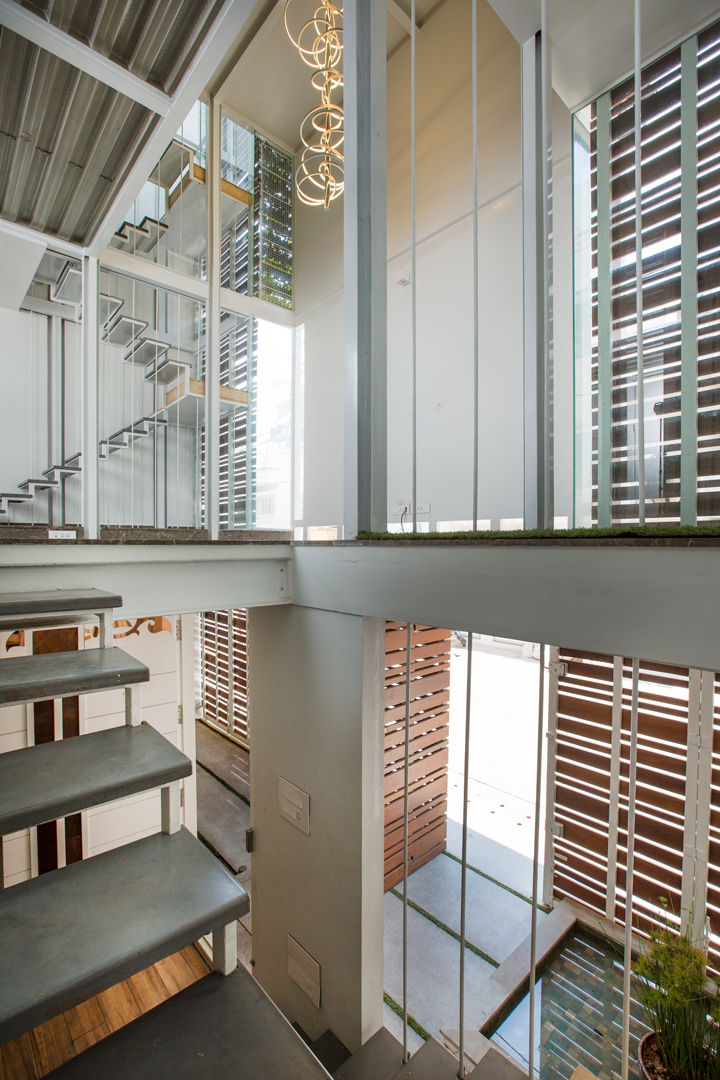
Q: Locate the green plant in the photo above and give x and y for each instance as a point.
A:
(685, 1018)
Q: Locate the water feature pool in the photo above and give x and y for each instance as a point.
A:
(578, 1013)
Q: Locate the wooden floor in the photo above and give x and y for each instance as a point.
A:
(43, 1049)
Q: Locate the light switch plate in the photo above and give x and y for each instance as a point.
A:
(304, 971)
(294, 805)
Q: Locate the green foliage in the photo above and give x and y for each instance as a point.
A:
(671, 986)
(624, 532)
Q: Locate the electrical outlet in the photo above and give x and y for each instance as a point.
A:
(401, 508)
(422, 508)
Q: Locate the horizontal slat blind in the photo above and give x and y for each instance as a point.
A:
(429, 717)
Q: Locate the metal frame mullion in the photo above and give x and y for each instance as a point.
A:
(614, 794)
(703, 803)
(688, 282)
(630, 870)
(554, 672)
(687, 901)
(604, 318)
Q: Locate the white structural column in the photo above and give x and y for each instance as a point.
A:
(536, 860)
(555, 670)
(90, 514)
(56, 362)
(630, 869)
(538, 502)
(212, 356)
(365, 266)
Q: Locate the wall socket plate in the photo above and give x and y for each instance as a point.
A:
(294, 805)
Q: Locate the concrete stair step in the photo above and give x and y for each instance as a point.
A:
(52, 780)
(54, 675)
(431, 1062)
(496, 1066)
(220, 1028)
(57, 601)
(70, 933)
(329, 1051)
(378, 1059)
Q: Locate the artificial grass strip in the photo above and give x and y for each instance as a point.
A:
(412, 1022)
(442, 926)
(618, 532)
(500, 884)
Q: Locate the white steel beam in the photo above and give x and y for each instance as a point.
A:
(365, 261)
(399, 13)
(55, 41)
(24, 232)
(609, 599)
(218, 42)
(152, 273)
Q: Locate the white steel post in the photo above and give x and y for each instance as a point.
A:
(132, 706)
(536, 857)
(629, 873)
(687, 901)
(613, 810)
(224, 947)
(89, 397)
(554, 672)
(365, 260)
(212, 352)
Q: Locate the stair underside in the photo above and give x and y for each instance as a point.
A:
(52, 601)
(379, 1058)
(54, 675)
(496, 1066)
(431, 1062)
(49, 781)
(220, 1028)
(71, 933)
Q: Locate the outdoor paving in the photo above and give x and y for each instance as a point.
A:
(496, 920)
(433, 969)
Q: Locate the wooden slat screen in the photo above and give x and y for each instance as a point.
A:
(224, 671)
(429, 719)
(713, 888)
(582, 799)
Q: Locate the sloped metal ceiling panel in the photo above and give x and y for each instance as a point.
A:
(153, 39)
(66, 141)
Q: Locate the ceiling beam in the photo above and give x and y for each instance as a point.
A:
(218, 42)
(398, 10)
(48, 37)
(25, 232)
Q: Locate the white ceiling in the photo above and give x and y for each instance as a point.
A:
(270, 86)
(592, 40)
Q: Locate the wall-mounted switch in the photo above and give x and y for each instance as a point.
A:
(294, 805)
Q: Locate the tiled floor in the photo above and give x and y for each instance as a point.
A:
(578, 1015)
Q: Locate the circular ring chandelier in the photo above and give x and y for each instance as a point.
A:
(320, 176)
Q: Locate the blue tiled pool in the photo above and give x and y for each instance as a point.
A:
(578, 1013)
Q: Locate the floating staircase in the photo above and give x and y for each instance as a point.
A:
(73, 932)
(381, 1059)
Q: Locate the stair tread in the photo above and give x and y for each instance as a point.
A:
(49, 781)
(48, 601)
(52, 675)
(431, 1062)
(70, 933)
(496, 1066)
(377, 1059)
(220, 1028)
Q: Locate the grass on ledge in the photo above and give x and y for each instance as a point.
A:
(619, 532)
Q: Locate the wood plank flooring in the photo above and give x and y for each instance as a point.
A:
(48, 1046)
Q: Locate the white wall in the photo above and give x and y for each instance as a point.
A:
(315, 681)
(444, 287)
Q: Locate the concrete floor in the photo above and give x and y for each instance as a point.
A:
(501, 796)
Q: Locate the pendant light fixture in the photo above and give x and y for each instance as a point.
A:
(319, 178)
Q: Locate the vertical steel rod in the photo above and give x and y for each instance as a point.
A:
(476, 270)
(536, 860)
(639, 264)
(413, 263)
(406, 807)
(629, 875)
(463, 861)
(688, 282)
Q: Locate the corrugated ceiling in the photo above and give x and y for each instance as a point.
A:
(67, 141)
